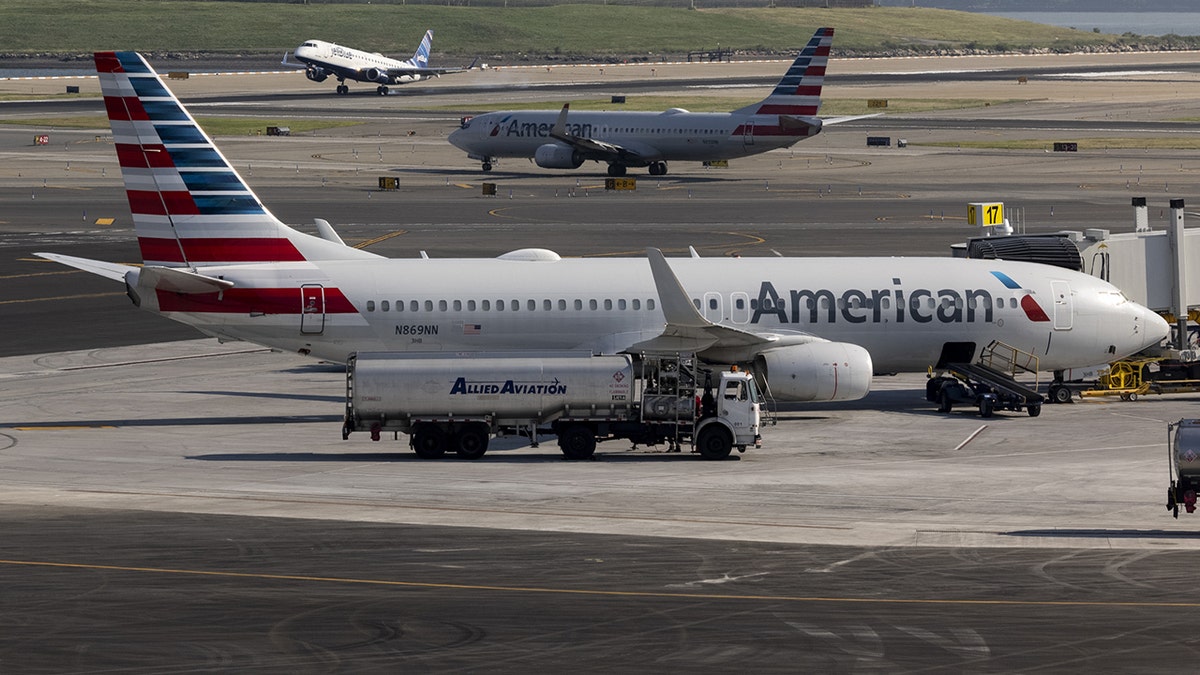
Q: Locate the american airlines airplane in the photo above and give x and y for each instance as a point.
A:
(650, 139)
(322, 59)
(217, 259)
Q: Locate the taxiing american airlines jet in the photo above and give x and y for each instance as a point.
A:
(322, 59)
(555, 140)
(217, 259)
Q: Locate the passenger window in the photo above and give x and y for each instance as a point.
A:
(593, 305)
(650, 303)
(637, 304)
(547, 305)
(487, 305)
(370, 305)
(414, 306)
(696, 302)
(621, 304)
(499, 305)
(608, 304)
(470, 305)
(562, 305)
(458, 305)
(515, 305)
(399, 305)
(578, 305)
(712, 303)
(441, 305)
(428, 305)
(384, 306)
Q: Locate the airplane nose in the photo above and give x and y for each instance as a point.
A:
(1156, 328)
(457, 138)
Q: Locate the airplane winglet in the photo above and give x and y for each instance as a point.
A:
(676, 306)
(559, 130)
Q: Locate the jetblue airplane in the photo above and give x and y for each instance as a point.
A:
(322, 59)
(818, 328)
(555, 140)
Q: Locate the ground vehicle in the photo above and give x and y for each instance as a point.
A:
(458, 402)
(1183, 447)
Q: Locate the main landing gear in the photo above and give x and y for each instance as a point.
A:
(342, 88)
(616, 170)
(382, 90)
(658, 168)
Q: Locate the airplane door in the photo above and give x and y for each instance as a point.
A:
(312, 309)
(1061, 291)
(712, 307)
(739, 309)
(748, 133)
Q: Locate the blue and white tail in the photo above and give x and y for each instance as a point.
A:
(421, 58)
(798, 94)
(190, 207)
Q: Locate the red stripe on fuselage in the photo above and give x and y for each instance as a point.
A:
(248, 300)
(784, 109)
(220, 249)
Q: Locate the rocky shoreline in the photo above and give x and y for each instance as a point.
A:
(257, 61)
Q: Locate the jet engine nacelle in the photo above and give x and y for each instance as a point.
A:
(376, 75)
(557, 156)
(817, 371)
(315, 74)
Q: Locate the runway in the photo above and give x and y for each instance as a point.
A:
(172, 504)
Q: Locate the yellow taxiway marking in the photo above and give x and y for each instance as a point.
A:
(600, 593)
(39, 274)
(60, 297)
(382, 237)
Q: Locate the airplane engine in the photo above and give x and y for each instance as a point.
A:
(557, 156)
(817, 371)
(376, 75)
(315, 74)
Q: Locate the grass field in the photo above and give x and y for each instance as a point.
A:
(83, 26)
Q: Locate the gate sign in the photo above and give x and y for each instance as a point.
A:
(985, 214)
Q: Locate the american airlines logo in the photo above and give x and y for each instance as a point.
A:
(919, 305)
(515, 128)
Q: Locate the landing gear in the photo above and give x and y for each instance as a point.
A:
(382, 90)
(616, 170)
(487, 166)
(658, 168)
(343, 89)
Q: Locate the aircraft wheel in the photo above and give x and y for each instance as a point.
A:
(471, 442)
(714, 442)
(343, 89)
(577, 442)
(616, 170)
(381, 90)
(487, 166)
(428, 441)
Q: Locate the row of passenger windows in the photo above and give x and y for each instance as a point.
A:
(546, 305)
(659, 132)
(621, 304)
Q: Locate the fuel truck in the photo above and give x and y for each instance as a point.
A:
(458, 402)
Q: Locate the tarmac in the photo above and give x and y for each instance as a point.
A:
(170, 503)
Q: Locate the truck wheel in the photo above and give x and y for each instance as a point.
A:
(944, 404)
(1034, 409)
(577, 442)
(428, 441)
(986, 406)
(471, 442)
(714, 442)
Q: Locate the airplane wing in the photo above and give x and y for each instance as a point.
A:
(826, 121)
(591, 148)
(114, 271)
(686, 328)
(431, 72)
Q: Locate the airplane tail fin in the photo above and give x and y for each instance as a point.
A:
(421, 58)
(798, 94)
(190, 207)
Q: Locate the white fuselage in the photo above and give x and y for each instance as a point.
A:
(657, 136)
(903, 311)
(352, 64)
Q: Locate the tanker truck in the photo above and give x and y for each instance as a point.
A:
(458, 402)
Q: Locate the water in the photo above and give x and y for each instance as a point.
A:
(1141, 23)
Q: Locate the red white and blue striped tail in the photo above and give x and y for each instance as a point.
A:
(190, 207)
(799, 92)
